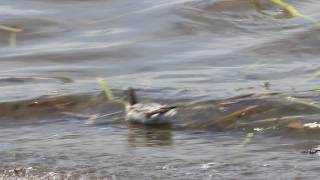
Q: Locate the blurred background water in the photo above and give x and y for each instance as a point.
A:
(171, 51)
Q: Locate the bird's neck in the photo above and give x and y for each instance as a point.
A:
(132, 97)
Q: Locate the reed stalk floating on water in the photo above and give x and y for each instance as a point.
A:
(10, 29)
(294, 12)
(12, 33)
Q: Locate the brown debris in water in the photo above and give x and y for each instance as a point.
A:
(295, 125)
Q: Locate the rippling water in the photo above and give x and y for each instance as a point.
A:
(198, 53)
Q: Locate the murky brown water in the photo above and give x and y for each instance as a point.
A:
(193, 53)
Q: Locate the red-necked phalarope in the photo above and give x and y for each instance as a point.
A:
(147, 113)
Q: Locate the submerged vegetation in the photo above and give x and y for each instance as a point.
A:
(243, 113)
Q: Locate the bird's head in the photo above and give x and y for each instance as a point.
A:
(132, 99)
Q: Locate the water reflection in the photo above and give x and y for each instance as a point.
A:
(141, 135)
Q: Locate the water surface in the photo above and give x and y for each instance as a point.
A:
(197, 53)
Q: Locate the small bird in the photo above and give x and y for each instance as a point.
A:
(147, 113)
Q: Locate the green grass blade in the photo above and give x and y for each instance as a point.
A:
(105, 88)
(293, 11)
